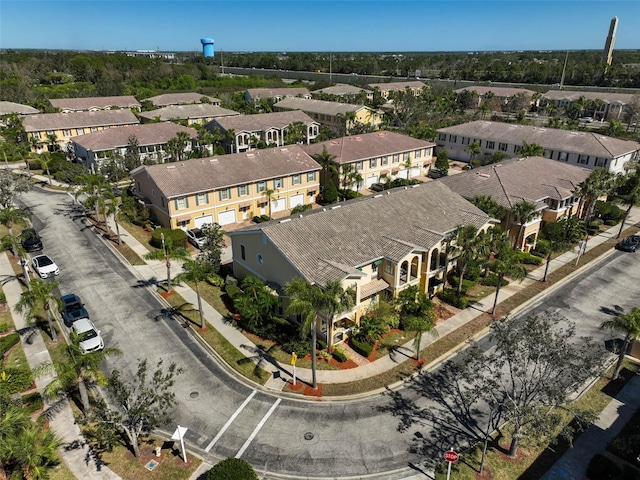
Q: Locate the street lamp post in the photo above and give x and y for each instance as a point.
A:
(167, 262)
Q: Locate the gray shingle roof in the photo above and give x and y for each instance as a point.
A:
(10, 107)
(179, 98)
(318, 106)
(362, 230)
(183, 112)
(203, 174)
(498, 91)
(65, 121)
(550, 138)
(510, 181)
(368, 145)
(147, 134)
(257, 93)
(397, 85)
(342, 89)
(263, 121)
(87, 103)
(608, 97)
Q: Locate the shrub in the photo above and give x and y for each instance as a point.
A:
(491, 280)
(176, 237)
(17, 380)
(300, 208)
(33, 401)
(7, 342)
(450, 296)
(466, 283)
(363, 348)
(602, 468)
(608, 212)
(265, 217)
(349, 194)
(529, 259)
(4, 327)
(3, 298)
(233, 291)
(330, 193)
(326, 356)
(339, 354)
(232, 469)
(542, 248)
(301, 347)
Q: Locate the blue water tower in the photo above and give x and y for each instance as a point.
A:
(207, 47)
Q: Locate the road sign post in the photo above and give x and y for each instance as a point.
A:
(179, 435)
(451, 457)
(294, 359)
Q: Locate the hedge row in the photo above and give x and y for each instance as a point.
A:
(363, 348)
(451, 296)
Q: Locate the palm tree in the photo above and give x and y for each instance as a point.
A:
(14, 244)
(467, 243)
(531, 150)
(269, 193)
(167, 253)
(94, 186)
(45, 161)
(325, 159)
(632, 197)
(598, 183)
(196, 271)
(35, 450)
(77, 373)
(408, 164)
(336, 300)
(489, 206)
(40, 296)
(505, 263)
(629, 324)
(473, 149)
(11, 215)
(523, 212)
(112, 208)
(52, 142)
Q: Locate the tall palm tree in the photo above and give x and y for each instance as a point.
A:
(45, 161)
(532, 150)
(270, 193)
(336, 300)
(598, 183)
(505, 263)
(34, 450)
(325, 159)
(632, 197)
(196, 271)
(629, 325)
(467, 243)
(111, 209)
(14, 244)
(78, 372)
(473, 149)
(93, 186)
(167, 253)
(40, 296)
(11, 215)
(523, 212)
(489, 206)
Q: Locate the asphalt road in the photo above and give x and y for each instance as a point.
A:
(227, 417)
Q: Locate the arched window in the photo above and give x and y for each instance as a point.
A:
(435, 255)
(404, 271)
(414, 267)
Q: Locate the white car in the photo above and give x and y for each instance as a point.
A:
(44, 266)
(89, 336)
(196, 237)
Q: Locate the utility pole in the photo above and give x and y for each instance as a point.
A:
(564, 69)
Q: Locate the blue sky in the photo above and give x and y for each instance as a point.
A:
(318, 25)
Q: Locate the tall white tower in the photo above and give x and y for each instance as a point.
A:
(607, 55)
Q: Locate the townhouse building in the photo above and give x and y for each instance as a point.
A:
(227, 189)
(335, 115)
(200, 113)
(7, 108)
(345, 91)
(276, 94)
(264, 128)
(61, 127)
(414, 86)
(600, 105)
(550, 185)
(502, 94)
(376, 156)
(152, 139)
(94, 104)
(582, 148)
(185, 98)
(377, 246)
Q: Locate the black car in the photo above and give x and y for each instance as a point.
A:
(435, 173)
(72, 309)
(30, 240)
(629, 244)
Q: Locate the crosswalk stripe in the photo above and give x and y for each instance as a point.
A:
(257, 429)
(230, 421)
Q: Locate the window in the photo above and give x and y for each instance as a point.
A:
(358, 165)
(260, 259)
(261, 186)
(295, 179)
(442, 137)
(417, 153)
(277, 183)
(373, 163)
(49, 132)
(396, 158)
(405, 156)
(181, 203)
(491, 144)
(517, 148)
(562, 156)
(374, 268)
(202, 199)
(36, 135)
(384, 161)
(311, 176)
(502, 147)
(162, 202)
(243, 252)
(388, 268)
(94, 129)
(66, 133)
(224, 194)
(583, 159)
(153, 192)
(243, 190)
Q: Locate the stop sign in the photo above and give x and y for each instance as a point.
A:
(451, 456)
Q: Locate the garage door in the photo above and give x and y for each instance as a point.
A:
(415, 171)
(296, 200)
(225, 218)
(278, 205)
(402, 174)
(200, 221)
(371, 180)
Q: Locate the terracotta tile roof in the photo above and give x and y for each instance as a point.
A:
(368, 145)
(262, 121)
(184, 112)
(205, 174)
(257, 93)
(87, 103)
(550, 138)
(10, 107)
(498, 91)
(512, 180)
(147, 134)
(180, 98)
(359, 231)
(342, 89)
(65, 121)
(608, 97)
(397, 85)
(317, 106)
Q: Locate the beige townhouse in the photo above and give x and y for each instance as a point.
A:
(185, 98)
(201, 113)
(502, 94)
(93, 104)
(414, 86)
(227, 189)
(345, 91)
(600, 105)
(276, 94)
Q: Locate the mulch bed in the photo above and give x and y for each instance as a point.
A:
(304, 389)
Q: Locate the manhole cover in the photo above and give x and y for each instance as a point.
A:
(194, 394)
(308, 436)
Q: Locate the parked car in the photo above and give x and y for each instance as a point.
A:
(196, 237)
(629, 244)
(89, 336)
(586, 120)
(72, 309)
(30, 240)
(376, 187)
(531, 115)
(44, 266)
(435, 173)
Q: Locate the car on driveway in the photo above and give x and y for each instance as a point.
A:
(30, 240)
(72, 309)
(629, 244)
(44, 266)
(88, 335)
(196, 237)
(435, 173)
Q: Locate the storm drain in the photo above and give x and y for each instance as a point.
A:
(194, 394)
(309, 438)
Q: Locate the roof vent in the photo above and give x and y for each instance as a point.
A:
(285, 220)
(485, 175)
(335, 142)
(213, 160)
(335, 207)
(358, 139)
(415, 186)
(250, 155)
(171, 167)
(382, 134)
(284, 149)
(377, 196)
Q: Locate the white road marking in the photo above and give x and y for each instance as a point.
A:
(229, 422)
(257, 429)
